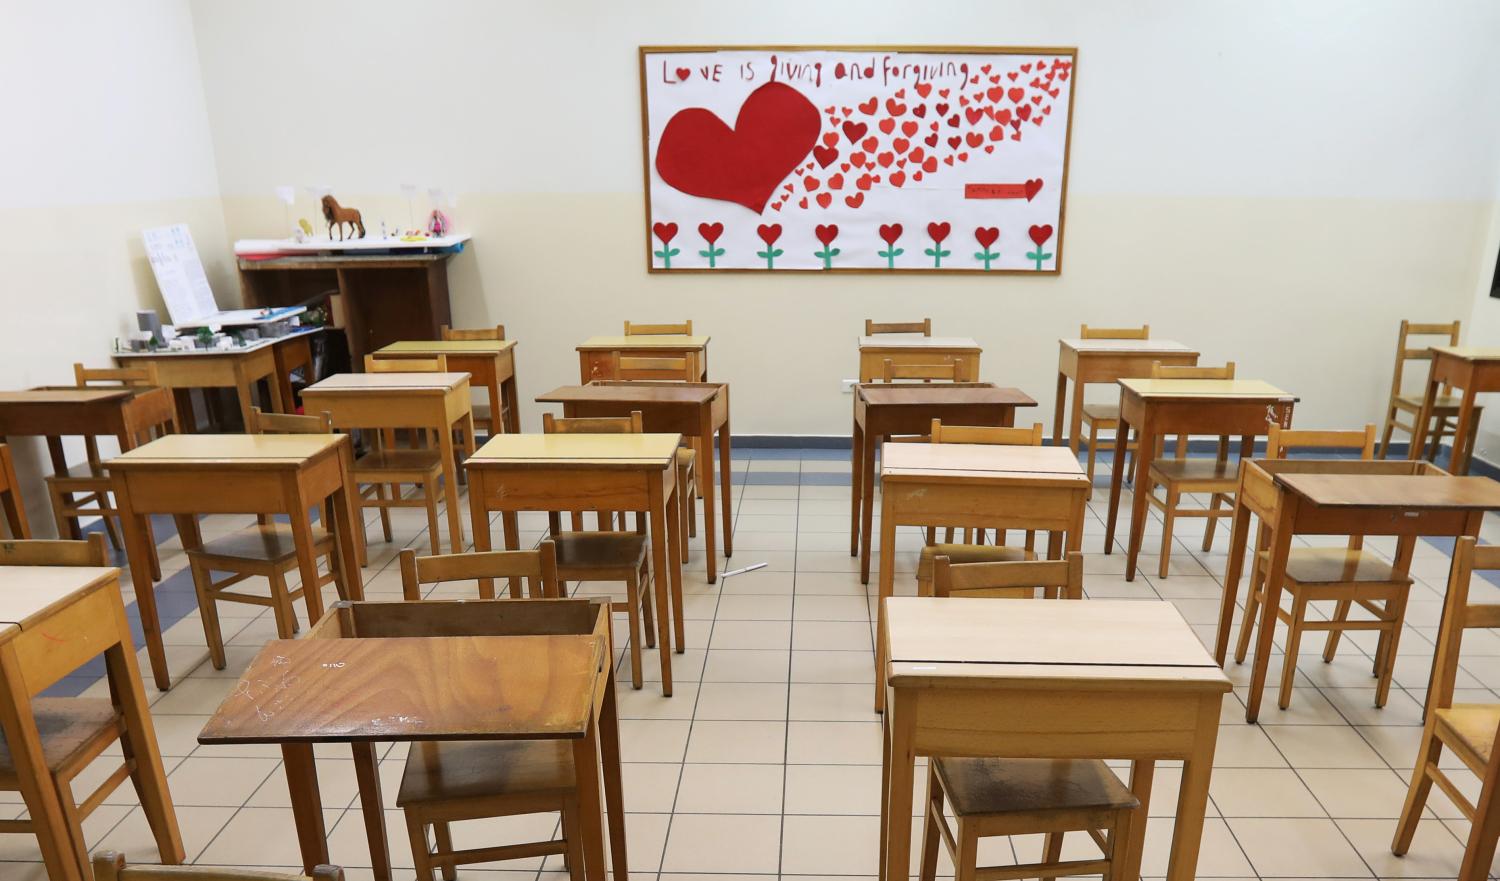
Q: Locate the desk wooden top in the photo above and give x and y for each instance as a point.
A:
(578, 450)
(631, 392)
(1205, 388)
(248, 349)
(1436, 491)
(1469, 353)
(920, 394)
(903, 341)
(434, 687)
(1128, 347)
(979, 461)
(643, 341)
(31, 593)
(70, 395)
(358, 383)
(448, 347)
(228, 449)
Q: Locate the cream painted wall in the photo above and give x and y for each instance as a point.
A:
(1278, 183)
(106, 134)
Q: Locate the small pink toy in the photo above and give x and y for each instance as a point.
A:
(438, 224)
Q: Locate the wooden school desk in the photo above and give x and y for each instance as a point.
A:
(68, 411)
(373, 672)
(1339, 497)
(491, 365)
(882, 410)
(588, 472)
(436, 401)
(53, 620)
(986, 487)
(599, 357)
(1472, 369)
(1100, 679)
(239, 369)
(696, 410)
(916, 349)
(1086, 362)
(190, 474)
(1158, 408)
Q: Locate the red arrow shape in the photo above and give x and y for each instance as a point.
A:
(1025, 190)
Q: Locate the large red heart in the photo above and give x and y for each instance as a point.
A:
(710, 231)
(1040, 234)
(890, 232)
(939, 231)
(701, 156)
(987, 236)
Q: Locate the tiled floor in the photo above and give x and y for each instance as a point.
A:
(766, 761)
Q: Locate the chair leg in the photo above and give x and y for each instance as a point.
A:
(1479, 850)
(1208, 529)
(153, 554)
(281, 607)
(1396, 608)
(1093, 449)
(1052, 851)
(1247, 624)
(312, 594)
(434, 537)
(1169, 520)
(1293, 643)
(385, 513)
(573, 833)
(966, 861)
(1331, 645)
(648, 617)
(421, 855)
(111, 530)
(633, 601)
(73, 819)
(1421, 785)
(444, 841)
(209, 612)
(1385, 437)
(930, 825)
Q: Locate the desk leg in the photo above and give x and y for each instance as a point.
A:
(307, 804)
(895, 806)
(140, 745)
(1142, 772)
(68, 529)
(1239, 536)
(134, 530)
(657, 517)
(887, 587)
(367, 773)
(348, 533)
(856, 478)
(675, 538)
(307, 561)
(705, 478)
(1274, 573)
(586, 764)
(867, 500)
(1429, 398)
(1075, 418)
(450, 490)
(1060, 409)
(41, 797)
(479, 522)
(1192, 797)
(726, 489)
(1459, 462)
(614, 791)
(512, 399)
(510, 528)
(1116, 481)
(1140, 489)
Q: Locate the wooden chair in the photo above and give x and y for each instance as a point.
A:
(1445, 407)
(86, 490)
(10, 496)
(267, 550)
(110, 866)
(1022, 796)
(1469, 730)
(74, 731)
(948, 372)
(479, 333)
(683, 329)
(1107, 415)
(1180, 475)
(385, 466)
(970, 551)
(608, 554)
(1346, 576)
(923, 327)
(538, 567)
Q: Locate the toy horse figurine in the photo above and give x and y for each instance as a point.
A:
(334, 213)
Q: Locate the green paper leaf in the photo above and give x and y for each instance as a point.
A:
(674, 252)
(981, 255)
(707, 254)
(718, 252)
(929, 252)
(1046, 256)
(663, 255)
(777, 253)
(944, 253)
(898, 252)
(763, 255)
(834, 253)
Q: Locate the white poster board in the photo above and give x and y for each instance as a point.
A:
(179, 273)
(862, 159)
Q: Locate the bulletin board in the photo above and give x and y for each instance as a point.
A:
(856, 159)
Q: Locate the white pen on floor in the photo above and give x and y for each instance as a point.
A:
(751, 568)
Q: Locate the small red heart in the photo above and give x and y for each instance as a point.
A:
(843, 166)
(923, 89)
(919, 110)
(836, 182)
(846, 110)
(887, 125)
(1036, 99)
(863, 182)
(894, 107)
(1015, 95)
(953, 121)
(824, 199)
(869, 144)
(989, 148)
(890, 232)
(901, 144)
(1003, 116)
(1024, 111)
(775, 206)
(947, 160)
(931, 140)
(826, 156)
(1016, 136)
(987, 235)
(855, 200)
(684, 72)
(802, 203)
(963, 157)
(973, 115)
(955, 141)
(916, 154)
(811, 183)
(997, 133)
(1036, 120)
(857, 160)
(855, 130)
(828, 110)
(898, 178)
(963, 100)
(1012, 74)
(908, 128)
(830, 139)
(1047, 111)
(876, 178)
(900, 93)
(995, 93)
(868, 108)
(916, 175)
(1033, 187)
(826, 233)
(942, 109)
(769, 233)
(930, 164)
(974, 139)
(664, 231)
(710, 231)
(900, 163)
(1040, 234)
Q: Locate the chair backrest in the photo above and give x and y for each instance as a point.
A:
(1167, 371)
(986, 434)
(1406, 352)
(923, 327)
(375, 363)
(631, 424)
(949, 371)
(477, 333)
(288, 423)
(683, 329)
(50, 552)
(1460, 614)
(85, 377)
(539, 567)
(110, 866)
(632, 367)
(1280, 441)
(1010, 580)
(1115, 333)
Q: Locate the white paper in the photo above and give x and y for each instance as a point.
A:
(179, 273)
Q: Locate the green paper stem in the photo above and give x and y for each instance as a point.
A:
(937, 254)
(987, 255)
(1038, 256)
(711, 253)
(891, 255)
(666, 254)
(827, 255)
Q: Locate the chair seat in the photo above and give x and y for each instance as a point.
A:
(1196, 471)
(1450, 403)
(273, 543)
(398, 461)
(1005, 786)
(599, 550)
(80, 472)
(1337, 566)
(686, 456)
(962, 553)
(71, 729)
(447, 771)
(1101, 413)
(1473, 728)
